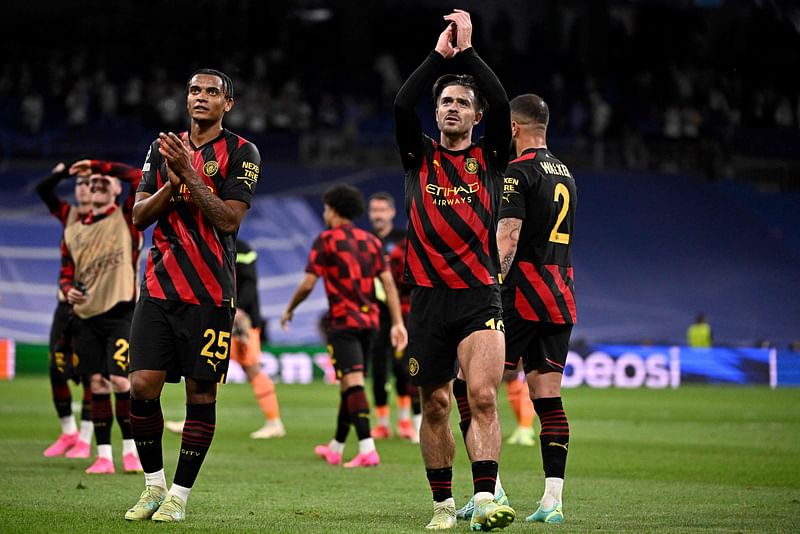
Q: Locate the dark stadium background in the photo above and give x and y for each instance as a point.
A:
(680, 121)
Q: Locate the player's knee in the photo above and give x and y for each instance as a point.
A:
(436, 407)
(482, 399)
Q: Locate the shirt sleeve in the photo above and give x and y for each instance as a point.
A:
(150, 172)
(408, 129)
(316, 258)
(243, 173)
(514, 194)
(498, 110)
(66, 273)
(46, 189)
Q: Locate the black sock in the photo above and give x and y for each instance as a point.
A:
(460, 394)
(358, 408)
(484, 476)
(342, 419)
(198, 431)
(554, 435)
(86, 405)
(122, 410)
(62, 396)
(416, 401)
(147, 427)
(441, 481)
(102, 418)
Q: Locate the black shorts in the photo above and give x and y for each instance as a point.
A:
(348, 350)
(60, 359)
(440, 319)
(100, 343)
(191, 340)
(542, 347)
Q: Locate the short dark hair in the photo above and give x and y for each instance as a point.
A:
(464, 80)
(382, 195)
(345, 199)
(530, 107)
(227, 83)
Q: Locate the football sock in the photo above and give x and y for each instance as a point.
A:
(342, 419)
(128, 446)
(554, 435)
(147, 424)
(484, 476)
(404, 407)
(68, 425)
(366, 445)
(441, 482)
(86, 431)
(102, 418)
(264, 390)
(104, 451)
(513, 392)
(526, 412)
(198, 431)
(156, 479)
(122, 410)
(416, 403)
(86, 404)
(336, 446)
(382, 415)
(180, 491)
(460, 394)
(552, 492)
(62, 397)
(358, 408)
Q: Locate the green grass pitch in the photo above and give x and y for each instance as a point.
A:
(695, 459)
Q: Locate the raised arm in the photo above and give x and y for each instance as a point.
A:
(46, 189)
(408, 129)
(498, 112)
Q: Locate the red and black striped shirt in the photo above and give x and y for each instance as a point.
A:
(190, 261)
(452, 196)
(348, 259)
(539, 189)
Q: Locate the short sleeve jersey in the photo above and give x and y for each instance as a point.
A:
(539, 189)
(190, 261)
(348, 259)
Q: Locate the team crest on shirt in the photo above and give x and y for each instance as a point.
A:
(210, 168)
(471, 166)
(413, 366)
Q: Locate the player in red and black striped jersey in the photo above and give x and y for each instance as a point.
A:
(381, 212)
(349, 259)
(197, 187)
(72, 442)
(452, 190)
(535, 236)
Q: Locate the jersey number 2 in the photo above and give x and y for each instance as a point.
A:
(556, 236)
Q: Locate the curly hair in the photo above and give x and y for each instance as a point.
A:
(345, 199)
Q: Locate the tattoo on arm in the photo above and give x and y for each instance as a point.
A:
(508, 230)
(213, 207)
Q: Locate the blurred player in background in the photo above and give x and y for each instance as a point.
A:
(381, 212)
(72, 442)
(535, 236)
(452, 197)
(248, 326)
(196, 187)
(99, 273)
(349, 259)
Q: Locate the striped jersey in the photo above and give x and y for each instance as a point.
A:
(539, 189)
(190, 261)
(348, 259)
(452, 201)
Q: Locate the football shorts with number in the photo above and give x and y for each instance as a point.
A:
(348, 349)
(60, 343)
(100, 343)
(190, 340)
(440, 319)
